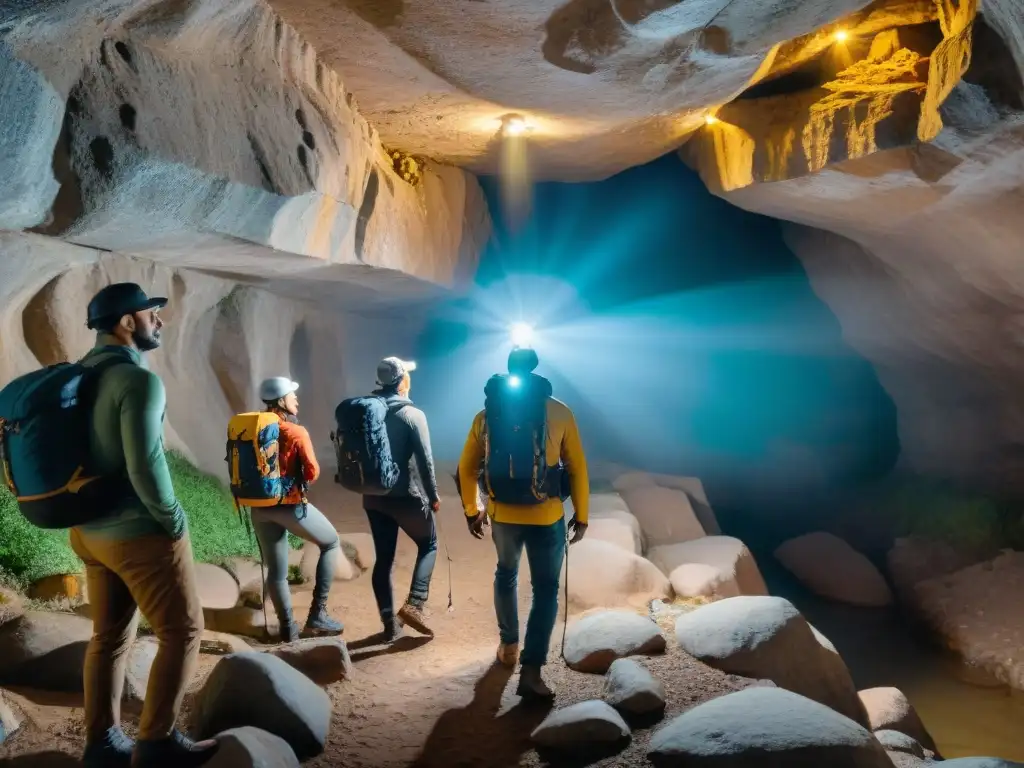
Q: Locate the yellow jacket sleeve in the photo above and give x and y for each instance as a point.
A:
(576, 465)
(469, 465)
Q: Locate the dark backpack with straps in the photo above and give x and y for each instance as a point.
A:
(362, 447)
(516, 468)
(45, 454)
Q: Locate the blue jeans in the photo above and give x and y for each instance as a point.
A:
(545, 550)
(418, 524)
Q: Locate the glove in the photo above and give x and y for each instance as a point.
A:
(577, 529)
(476, 524)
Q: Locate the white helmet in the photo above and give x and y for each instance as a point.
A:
(276, 388)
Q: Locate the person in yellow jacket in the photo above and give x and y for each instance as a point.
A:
(538, 525)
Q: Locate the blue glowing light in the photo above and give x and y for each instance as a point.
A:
(522, 334)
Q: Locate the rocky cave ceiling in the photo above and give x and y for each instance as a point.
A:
(327, 148)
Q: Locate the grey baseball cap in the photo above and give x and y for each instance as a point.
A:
(391, 370)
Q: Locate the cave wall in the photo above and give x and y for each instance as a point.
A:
(903, 200)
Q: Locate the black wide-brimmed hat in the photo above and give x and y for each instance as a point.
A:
(120, 299)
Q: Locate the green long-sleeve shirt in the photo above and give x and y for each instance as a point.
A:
(128, 433)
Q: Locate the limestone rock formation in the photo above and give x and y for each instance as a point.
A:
(765, 727)
(260, 690)
(714, 566)
(581, 725)
(767, 638)
(604, 575)
(830, 567)
(323, 660)
(888, 709)
(595, 641)
(252, 748)
(666, 515)
(629, 687)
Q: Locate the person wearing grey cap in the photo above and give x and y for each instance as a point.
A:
(295, 515)
(138, 554)
(409, 506)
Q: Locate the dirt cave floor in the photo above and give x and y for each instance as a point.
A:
(422, 702)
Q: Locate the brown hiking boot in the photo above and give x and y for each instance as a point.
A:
(532, 685)
(508, 654)
(413, 616)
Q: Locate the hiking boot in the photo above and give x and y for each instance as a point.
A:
(114, 750)
(508, 654)
(414, 616)
(320, 622)
(392, 630)
(175, 751)
(532, 685)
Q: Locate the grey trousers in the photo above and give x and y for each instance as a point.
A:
(272, 525)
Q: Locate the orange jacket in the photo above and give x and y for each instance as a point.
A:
(297, 447)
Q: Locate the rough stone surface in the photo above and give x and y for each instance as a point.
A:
(581, 725)
(914, 559)
(765, 727)
(69, 586)
(140, 664)
(895, 741)
(249, 747)
(975, 611)
(595, 641)
(714, 566)
(218, 589)
(604, 575)
(981, 762)
(262, 691)
(244, 621)
(666, 515)
(44, 649)
(323, 660)
(889, 710)
(831, 568)
(767, 638)
(221, 643)
(631, 688)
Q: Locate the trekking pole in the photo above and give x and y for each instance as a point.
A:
(447, 554)
(565, 608)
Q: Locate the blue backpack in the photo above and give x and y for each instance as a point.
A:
(362, 447)
(516, 469)
(45, 455)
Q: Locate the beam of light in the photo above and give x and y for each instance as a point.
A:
(514, 126)
(841, 35)
(710, 119)
(515, 381)
(521, 334)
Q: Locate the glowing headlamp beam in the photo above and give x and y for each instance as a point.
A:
(522, 334)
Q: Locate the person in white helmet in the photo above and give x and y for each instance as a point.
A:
(297, 516)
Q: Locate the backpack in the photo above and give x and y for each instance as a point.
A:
(361, 444)
(516, 469)
(253, 457)
(45, 459)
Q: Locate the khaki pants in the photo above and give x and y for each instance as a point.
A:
(156, 575)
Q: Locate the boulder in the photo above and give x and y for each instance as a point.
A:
(616, 531)
(11, 605)
(831, 568)
(243, 620)
(218, 589)
(10, 718)
(345, 568)
(140, 664)
(359, 549)
(888, 709)
(914, 559)
(630, 481)
(767, 638)
(67, 586)
(605, 504)
(263, 691)
(249, 747)
(595, 641)
(767, 727)
(980, 762)
(629, 687)
(603, 575)
(323, 660)
(694, 488)
(894, 741)
(582, 725)
(714, 566)
(249, 576)
(45, 649)
(903, 760)
(221, 643)
(665, 515)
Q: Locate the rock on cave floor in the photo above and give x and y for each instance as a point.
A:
(420, 703)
